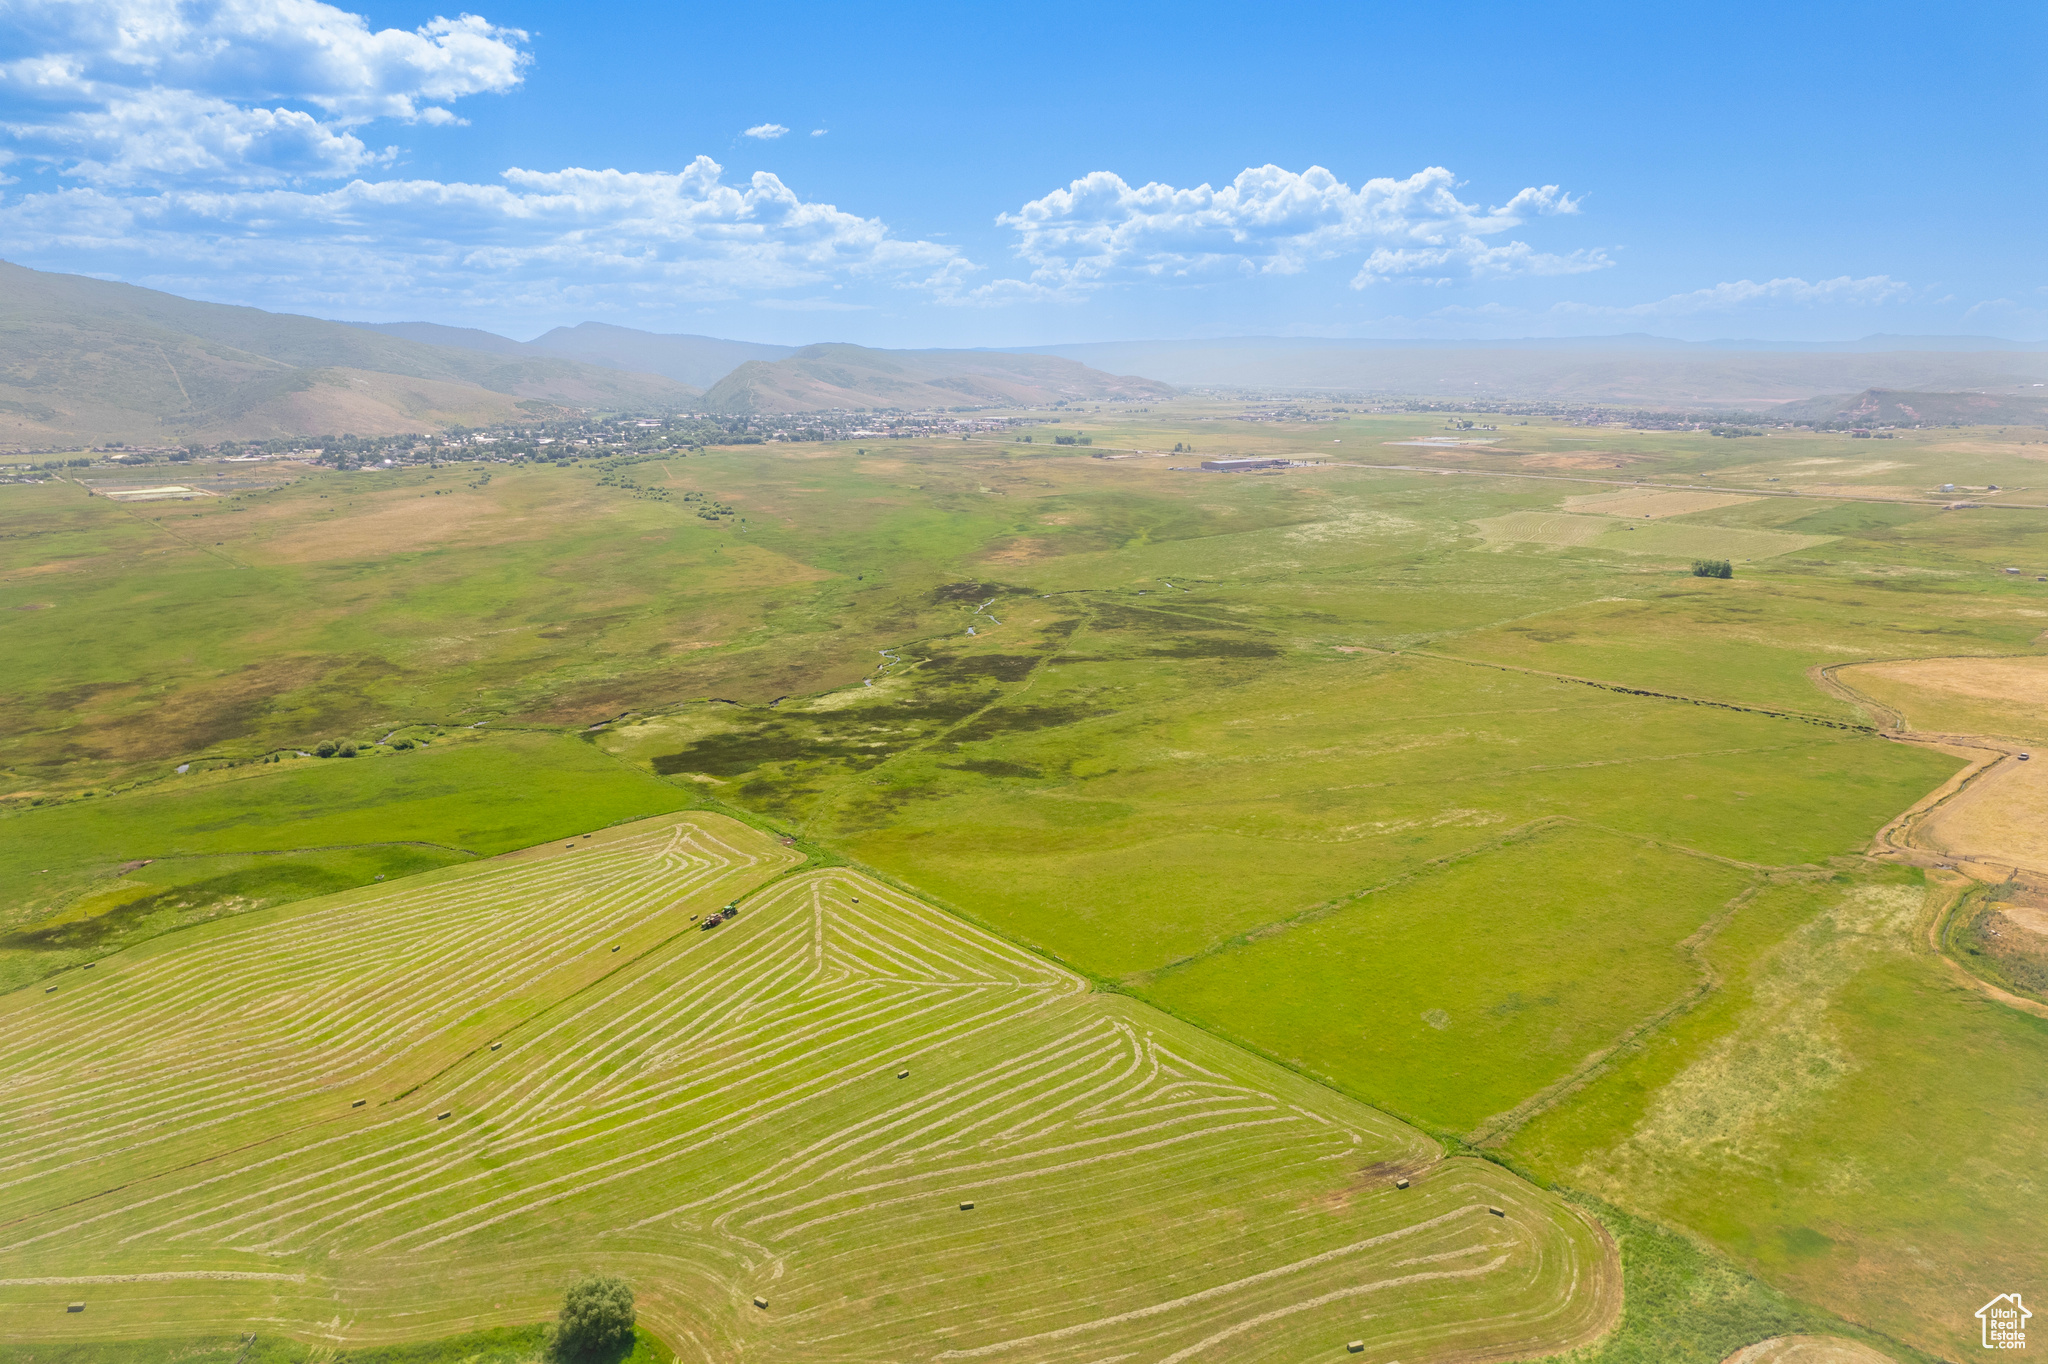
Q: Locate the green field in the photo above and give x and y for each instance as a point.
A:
(417, 1109)
(1534, 841)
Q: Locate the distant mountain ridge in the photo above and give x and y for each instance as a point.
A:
(89, 360)
(837, 375)
(699, 361)
(1875, 343)
(1891, 407)
(1674, 375)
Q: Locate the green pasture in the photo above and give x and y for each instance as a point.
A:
(1284, 755)
(268, 834)
(1459, 994)
(1842, 1116)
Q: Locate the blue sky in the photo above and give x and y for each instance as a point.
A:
(912, 174)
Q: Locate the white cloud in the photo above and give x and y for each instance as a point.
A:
(241, 91)
(569, 239)
(767, 132)
(817, 132)
(1270, 220)
(1748, 293)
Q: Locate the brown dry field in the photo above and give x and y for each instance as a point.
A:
(1627, 502)
(2032, 918)
(402, 522)
(1806, 1350)
(2000, 818)
(2007, 696)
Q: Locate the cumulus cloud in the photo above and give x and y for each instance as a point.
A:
(767, 132)
(1270, 220)
(817, 132)
(236, 91)
(541, 239)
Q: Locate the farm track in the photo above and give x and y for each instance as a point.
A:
(1905, 839)
(718, 1114)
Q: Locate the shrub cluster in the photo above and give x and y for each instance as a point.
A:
(596, 1320)
(1712, 568)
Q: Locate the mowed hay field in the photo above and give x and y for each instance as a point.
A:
(558, 1070)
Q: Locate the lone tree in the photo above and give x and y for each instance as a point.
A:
(596, 1319)
(1712, 568)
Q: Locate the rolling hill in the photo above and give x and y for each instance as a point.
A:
(699, 361)
(1893, 407)
(835, 375)
(88, 360)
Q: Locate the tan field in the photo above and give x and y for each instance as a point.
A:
(1999, 696)
(2001, 818)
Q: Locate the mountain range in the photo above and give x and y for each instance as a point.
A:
(699, 361)
(1646, 372)
(89, 360)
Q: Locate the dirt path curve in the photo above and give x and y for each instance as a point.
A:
(1907, 839)
(1904, 839)
(1807, 1350)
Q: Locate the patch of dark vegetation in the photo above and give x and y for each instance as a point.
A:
(1001, 667)
(1193, 647)
(994, 767)
(977, 592)
(1103, 616)
(1999, 948)
(1020, 720)
(857, 737)
(740, 751)
(944, 708)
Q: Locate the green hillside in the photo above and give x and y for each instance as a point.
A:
(89, 360)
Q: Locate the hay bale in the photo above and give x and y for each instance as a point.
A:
(1400, 1183)
(1356, 1347)
(903, 1075)
(967, 1207)
(1496, 1212)
(74, 1307)
(496, 1045)
(441, 1117)
(358, 1103)
(761, 1303)
(615, 947)
(51, 990)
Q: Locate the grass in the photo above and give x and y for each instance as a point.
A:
(1457, 995)
(1843, 1105)
(718, 1116)
(497, 1345)
(1283, 755)
(224, 842)
(1685, 1305)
